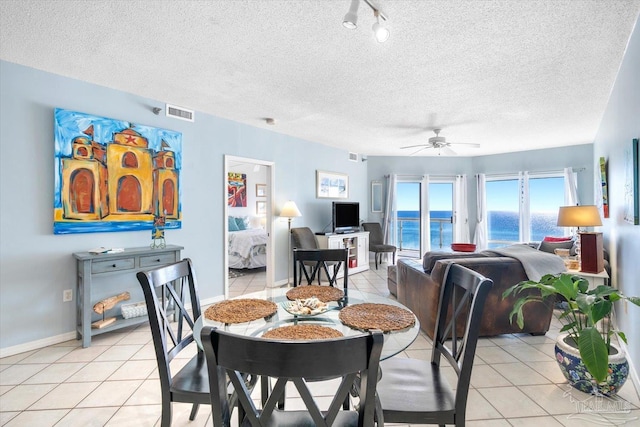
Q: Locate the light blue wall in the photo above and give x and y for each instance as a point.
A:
(620, 125)
(551, 159)
(36, 266)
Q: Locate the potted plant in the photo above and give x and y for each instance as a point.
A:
(584, 351)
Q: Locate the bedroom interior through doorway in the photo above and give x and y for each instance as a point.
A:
(255, 207)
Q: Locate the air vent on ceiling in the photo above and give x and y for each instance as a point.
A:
(353, 157)
(179, 113)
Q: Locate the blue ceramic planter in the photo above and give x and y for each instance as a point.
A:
(570, 363)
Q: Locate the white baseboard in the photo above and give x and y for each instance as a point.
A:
(36, 345)
(633, 373)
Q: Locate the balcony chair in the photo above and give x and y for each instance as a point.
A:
(165, 289)
(376, 242)
(297, 362)
(416, 391)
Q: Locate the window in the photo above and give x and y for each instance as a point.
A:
(523, 208)
(503, 212)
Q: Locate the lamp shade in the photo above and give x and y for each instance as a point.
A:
(579, 216)
(290, 210)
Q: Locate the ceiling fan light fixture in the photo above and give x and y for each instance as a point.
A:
(350, 20)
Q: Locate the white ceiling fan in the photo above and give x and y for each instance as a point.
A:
(440, 143)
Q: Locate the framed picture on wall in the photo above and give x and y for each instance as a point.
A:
(632, 184)
(237, 190)
(376, 196)
(332, 185)
(261, 190)
(261, 208)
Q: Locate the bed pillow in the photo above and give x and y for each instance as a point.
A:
(233, 225)
(241, 223)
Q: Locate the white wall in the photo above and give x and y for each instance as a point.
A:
(36, 265)
(620, 124)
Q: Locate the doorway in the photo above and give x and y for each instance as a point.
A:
(248, 226)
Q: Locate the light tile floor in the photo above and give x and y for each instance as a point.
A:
(114, 382)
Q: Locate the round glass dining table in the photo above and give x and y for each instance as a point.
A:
(394, 341)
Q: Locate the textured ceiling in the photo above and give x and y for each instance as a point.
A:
(509, 75)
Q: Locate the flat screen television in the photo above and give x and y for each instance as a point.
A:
(346, 217)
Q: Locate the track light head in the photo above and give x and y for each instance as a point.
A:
(350, 20)
(380, 32)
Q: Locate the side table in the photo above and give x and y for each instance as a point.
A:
(90, 266)
(595, 279)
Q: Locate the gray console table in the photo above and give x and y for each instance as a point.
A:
(90, 266)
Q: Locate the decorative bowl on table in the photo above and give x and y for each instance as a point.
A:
(463, 247)
(306, 307)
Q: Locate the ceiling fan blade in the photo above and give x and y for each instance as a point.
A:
(468, 144)
(417, 145)
(416, 152)
(448, 151)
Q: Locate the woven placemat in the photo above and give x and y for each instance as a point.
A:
(376, 316)
(302, 332)
(240, 310)
(323, 293)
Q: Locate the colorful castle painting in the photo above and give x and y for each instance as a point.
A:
(111, 175)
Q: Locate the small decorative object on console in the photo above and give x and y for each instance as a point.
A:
(136, 309)
(157, 233)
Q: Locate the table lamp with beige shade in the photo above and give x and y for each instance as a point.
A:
(589, 250)
(290, 211)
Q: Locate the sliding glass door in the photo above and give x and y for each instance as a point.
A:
(423, 220)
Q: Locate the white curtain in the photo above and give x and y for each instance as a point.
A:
(390, 209)
(570, 188)
(425, 215)
(480, 236)
(525, 209)
(461, 224)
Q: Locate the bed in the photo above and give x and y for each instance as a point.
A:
(248, 248)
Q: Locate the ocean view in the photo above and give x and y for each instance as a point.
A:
(503, 226)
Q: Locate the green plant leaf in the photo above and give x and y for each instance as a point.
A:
(593, 351)
(635, 300)
(568, 326)
(581, 284)
(600, 309)
(565, 286)
(622, 336)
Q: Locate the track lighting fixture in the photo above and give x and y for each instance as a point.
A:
(350, 20)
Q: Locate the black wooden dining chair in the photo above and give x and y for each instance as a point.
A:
(416, 391)
(309, 262)
(298, 362)
(165, 291)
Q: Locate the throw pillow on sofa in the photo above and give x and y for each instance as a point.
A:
(552, 246)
